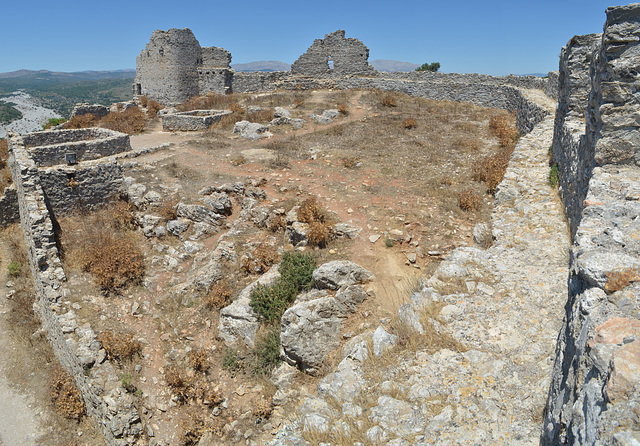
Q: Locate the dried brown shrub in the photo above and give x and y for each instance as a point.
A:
(5, 173)
(409, 123)
(389, 101)
(318, 220)
(112, 259)
(207, 393)
(65, 396)
(198, 360)
(503, 126)
(491, 169)
(298, 101)
(263, 409)
(167, 209)
(82, 121)
(238, 160)
(262, 116)
(469, 200)
(350, 162)
(343, 109)
(219, 296)
(621, 278)
(179, 383)
(153, 107)
(237, 108)
(123, 215)
(277, 223)
(119, 346)
(261, 259)
(131, 121)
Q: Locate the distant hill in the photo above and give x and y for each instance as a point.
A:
(262, 65)
(392, 65)
(77, 76)
(61, 91)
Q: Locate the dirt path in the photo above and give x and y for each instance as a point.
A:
(19, 415)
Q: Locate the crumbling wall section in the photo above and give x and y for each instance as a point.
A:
(49, 148)
(75, 347)
(595, 390)
(336, 55)
(215, 80)
(167, 69)
(215, 57)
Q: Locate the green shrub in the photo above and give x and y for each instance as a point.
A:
(554, 176)
(389, 242)
(230, 360)
(434, 66)
(266, 354)
(53, 122)
(271, 301)
(14, 268)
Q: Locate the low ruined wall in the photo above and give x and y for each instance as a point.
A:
(75, 347)
(191, 121)
(49, 148)
(9, 212)
(595, 390)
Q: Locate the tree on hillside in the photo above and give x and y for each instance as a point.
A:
(435, 66)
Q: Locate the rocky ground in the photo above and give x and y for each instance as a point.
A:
(458, 358)
(33, 114)
(502, 305)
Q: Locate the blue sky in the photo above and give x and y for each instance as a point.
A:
(496, 37)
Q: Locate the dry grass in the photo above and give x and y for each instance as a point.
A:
(261, 259)
(178, 382)
(123, 214)
(219, 296)
(343, 109)
(131, 121)
(433, 337)
(263, 116)
(119, 346)
(65, 395)
(277, 223)
(621, 278)
(210, 101)
(167, 209)
(469, 200)
(238, 160)
(113, 260)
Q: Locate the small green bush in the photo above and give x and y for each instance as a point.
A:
(266, 354)
(230, 360)
(554, 176)
(389, 242)
(53, 122)
(271, 301)
(433, 67)
(14, 268)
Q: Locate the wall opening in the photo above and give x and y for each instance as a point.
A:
(330, 63)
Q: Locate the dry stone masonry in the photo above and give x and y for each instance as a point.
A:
(595, 390)
(334, 54)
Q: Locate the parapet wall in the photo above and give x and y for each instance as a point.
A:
(595, 390)
(75, 347)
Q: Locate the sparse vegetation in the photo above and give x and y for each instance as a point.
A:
(433, 67)
(409, 123)
(219, 296)
(319, 222)
(65, 395)
(469, 200)
(198, 360)
(270, 302)
(266, 354)
(14, 268)
(53, 122)
(261, 259)
(119, 346)
(554, 176)
(389, 101)
(8, 112)
(343, 109)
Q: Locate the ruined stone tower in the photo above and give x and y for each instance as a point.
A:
(334, 54)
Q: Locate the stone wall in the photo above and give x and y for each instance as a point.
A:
(167, 69)
(336, 55)
(49, 148)
(9, 212)
(595, 390)
(75, 347)
(215, 57)
(215, 80)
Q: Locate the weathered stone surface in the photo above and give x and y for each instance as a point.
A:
(238, 321)
(310, 330)
(339, 273)
(97, 110)
(219, 202)
(177, 226)
(334, 54)
(251, 130)
(351, 296)
(198, 213)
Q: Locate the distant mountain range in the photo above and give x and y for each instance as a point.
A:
(75, 76)
(275, 65)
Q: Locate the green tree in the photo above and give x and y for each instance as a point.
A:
(434, 66)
